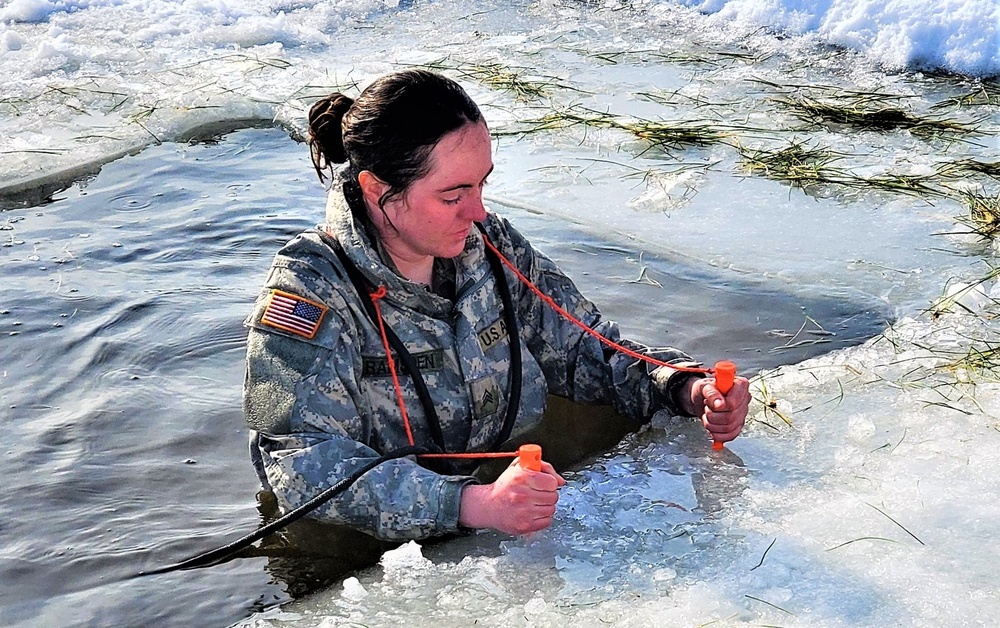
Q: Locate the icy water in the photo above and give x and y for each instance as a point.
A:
(124, 363)
(668, 159)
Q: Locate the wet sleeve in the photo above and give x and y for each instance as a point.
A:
(577, 365)
(310, 428)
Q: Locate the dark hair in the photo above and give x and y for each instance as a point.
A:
(389, 130)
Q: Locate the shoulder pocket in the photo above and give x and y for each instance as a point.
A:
(275, 367)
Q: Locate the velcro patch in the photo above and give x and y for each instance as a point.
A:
(485, 397)
(432, 360)
(293, 314)
(492, 334)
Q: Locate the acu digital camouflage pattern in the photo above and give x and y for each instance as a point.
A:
(321, 407)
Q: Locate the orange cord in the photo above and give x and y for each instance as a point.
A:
(530, 455)
(376, 297)
(614, 345)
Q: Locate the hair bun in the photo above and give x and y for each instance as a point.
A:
(326, 138)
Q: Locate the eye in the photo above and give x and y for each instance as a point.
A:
(452, 201)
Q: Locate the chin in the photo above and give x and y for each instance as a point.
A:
(452, 251)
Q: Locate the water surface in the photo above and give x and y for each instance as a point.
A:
(123, 363)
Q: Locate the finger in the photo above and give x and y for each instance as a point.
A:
(738, 395)
(723, 420)
(526, 525)
(714, 400)
(718, 419)
(543, 497)
(544, 482)
(545, 507)
(534, 525)
(733, 427)
(550, 470)
(725, 437)
(536, 517)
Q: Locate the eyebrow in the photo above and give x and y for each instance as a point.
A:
(464, 186)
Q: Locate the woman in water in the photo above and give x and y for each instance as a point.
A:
(397, 324)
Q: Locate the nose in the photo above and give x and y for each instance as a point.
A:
(474, 209)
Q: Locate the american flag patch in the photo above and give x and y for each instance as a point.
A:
(293, 314)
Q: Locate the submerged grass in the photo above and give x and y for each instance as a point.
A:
(521, 82)
(709, 57)
(920, 185)
(953, 298)
(985, 93)
(801, 163)
(676, 97)
(865, 110)
(658, 133)
(861, 538)
(983, 361)
(768, 402)
(870, 112)
(804, 165)
(901, 526)
(13, 103)
(674, 134)
(797, 163)
(984, 212)
(772, 605)
(963, 167)
(311, 91)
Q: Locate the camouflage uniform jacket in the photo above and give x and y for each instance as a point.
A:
(321, 403)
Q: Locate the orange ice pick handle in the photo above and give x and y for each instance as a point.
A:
(725, 374)
(530, 457)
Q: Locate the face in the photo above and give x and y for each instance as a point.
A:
(433, 217)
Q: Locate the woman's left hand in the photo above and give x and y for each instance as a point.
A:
(722, 415)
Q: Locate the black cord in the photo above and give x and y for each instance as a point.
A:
(217, 555)
(364, 288)
(513, 341)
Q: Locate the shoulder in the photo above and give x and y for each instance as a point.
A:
(309, 259)
(306, 293)
(500, 230)
(516, 247)
(507, 239)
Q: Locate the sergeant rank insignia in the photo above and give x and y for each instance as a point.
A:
(293, 314)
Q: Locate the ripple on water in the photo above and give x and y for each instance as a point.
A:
(128, 203)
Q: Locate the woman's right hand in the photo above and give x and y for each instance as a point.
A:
(519, 502)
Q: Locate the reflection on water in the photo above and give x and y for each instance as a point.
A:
(122, 345)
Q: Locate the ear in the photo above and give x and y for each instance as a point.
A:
(372, 188)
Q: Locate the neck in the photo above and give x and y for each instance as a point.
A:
(416, 269)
